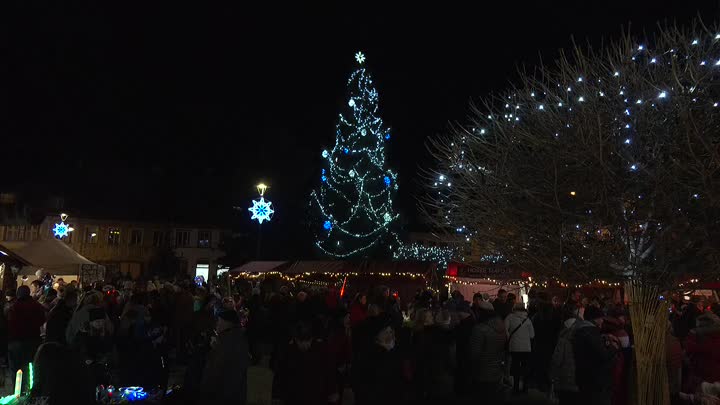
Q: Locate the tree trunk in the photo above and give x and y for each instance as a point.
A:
(649, 317)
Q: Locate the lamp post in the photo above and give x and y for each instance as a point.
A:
(261, 210)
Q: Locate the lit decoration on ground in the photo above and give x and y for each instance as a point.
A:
(357, 188)
(133, 394)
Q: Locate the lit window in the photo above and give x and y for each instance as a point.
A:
(114, 236)
(204, 239)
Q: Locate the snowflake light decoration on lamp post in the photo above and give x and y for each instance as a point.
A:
(61, 230)
(261, 210)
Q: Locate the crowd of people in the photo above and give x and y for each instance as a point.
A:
(324, 347)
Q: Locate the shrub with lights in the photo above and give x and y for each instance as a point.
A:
(353, 205)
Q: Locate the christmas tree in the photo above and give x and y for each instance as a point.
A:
(354, 206)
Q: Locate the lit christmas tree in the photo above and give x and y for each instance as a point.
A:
(354, 201)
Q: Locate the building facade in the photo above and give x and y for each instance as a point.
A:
(131, 247)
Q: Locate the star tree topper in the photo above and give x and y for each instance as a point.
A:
(360, 57)
(261, 210)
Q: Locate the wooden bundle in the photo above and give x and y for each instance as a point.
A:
(649, 317)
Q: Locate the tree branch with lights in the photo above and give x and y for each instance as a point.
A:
(605, 163)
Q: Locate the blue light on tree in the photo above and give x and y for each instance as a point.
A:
(61, 230)
(358, 189)
(261, 210)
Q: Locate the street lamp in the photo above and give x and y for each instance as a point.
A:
(261, 210)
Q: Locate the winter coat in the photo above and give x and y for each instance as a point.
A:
(57, 322)
(24, 319)
(358, 313)
(487, 351)
(521, 340)
(594, 361)
(703, 350)
(440, 362)
(224, 379)
(378, 377)
(306, 377)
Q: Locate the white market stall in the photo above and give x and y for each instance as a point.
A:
(55, 257)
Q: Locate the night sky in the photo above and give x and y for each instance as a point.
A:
(175, 111)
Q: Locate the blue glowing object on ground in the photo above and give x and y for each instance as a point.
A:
(134, 394)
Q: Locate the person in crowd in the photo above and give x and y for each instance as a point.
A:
(224, 379)
(59, 317)
(476, 301)
(706, 394)
(378, 374)
(340, 351)
(520, 334)
(487, 352)
(60, 377)
(358, 309)
(595, 356)
(614, 325)
(547, 326)
(90, 329)
(687, 320)
(24, 319)
(562, 365)
(10, 299)
(674, 358)
(306, 375)
(36, 289)
(702, 351)
(436, 358)
(463, 333)
(501, 305)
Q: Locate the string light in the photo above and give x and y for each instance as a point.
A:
(354, 200)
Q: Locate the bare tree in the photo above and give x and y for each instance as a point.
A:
(604, 164)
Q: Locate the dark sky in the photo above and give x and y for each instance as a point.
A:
(178, 108)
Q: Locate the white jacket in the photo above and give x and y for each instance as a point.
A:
(520, 340)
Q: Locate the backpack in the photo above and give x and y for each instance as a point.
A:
(562, 364)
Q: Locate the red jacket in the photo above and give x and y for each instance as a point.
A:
(358, 313)
(25, 318)
(703, 349)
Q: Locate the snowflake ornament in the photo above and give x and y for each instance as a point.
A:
(261, 210)
(61, 230)
(360, 57)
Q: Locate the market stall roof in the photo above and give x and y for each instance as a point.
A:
(315, 266)
(50, 255)
(259, 267)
